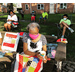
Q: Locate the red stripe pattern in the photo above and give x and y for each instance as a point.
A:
(20, 63)
(38, 66)
(20, 66)
(11, 35)
(9, 45)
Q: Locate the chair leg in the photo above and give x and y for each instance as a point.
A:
(67, 34)
(59, 66)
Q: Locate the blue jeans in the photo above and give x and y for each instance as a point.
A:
(42, 18)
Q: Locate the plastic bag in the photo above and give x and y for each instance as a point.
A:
(0, 40)
(51, 49)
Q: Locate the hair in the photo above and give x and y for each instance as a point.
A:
(11, 11)
(65, 15)
(33, 25)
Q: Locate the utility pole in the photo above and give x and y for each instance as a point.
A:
(74, 8)
(30, 8)
(56, 7)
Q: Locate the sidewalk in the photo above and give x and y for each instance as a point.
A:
(68, 66)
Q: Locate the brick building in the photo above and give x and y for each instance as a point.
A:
(0, 8)
(3, 8)
(51, 8)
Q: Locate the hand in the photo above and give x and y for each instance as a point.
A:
(45, 61)
(39, 56)
(9, 20)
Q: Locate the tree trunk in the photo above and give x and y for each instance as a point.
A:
(9, 7)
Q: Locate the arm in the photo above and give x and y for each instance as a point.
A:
(25, 49)
(46, 14)
(45, 49)
(15, 18)
(10, 20)
(7, 17)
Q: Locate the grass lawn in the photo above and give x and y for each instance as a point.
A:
(49, 30)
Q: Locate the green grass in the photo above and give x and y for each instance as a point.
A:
(49, 30)
(52, 18)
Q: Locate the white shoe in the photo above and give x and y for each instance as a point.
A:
(71, 30)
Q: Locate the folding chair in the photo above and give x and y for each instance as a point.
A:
(18, 26)
(61, 29)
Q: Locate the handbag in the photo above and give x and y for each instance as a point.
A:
(15, 23)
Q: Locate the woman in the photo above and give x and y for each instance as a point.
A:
(34, 42)
(11, 17)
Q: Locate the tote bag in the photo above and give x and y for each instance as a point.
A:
(27, 64)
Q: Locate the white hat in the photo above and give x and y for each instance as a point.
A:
(0, 35)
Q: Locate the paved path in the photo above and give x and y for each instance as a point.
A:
(68, 66)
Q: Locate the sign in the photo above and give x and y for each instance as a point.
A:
(10, 41)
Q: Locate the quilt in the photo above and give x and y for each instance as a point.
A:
(27, 64)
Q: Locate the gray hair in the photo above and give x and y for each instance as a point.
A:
(32, 26)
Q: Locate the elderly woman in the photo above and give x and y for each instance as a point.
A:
(34, 42)
(11, 17)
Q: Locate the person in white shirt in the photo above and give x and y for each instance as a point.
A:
(11, 17)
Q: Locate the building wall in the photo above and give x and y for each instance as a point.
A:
(54, 8)
(34, 7)
(0, 9)
(23, 7)
(69, 9)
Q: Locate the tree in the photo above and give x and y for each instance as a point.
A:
(1, 3)
(9, 7)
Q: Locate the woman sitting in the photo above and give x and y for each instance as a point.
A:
(34, 42)
(11, 17)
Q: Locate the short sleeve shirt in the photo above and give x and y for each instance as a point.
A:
(42, 38)
(67, 21)
(44, 14)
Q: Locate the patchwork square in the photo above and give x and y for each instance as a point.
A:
(31, 69)
(33, 64)
(24, 69)
(36, 60)
(24, 63)
(31, 59)
(25, 59)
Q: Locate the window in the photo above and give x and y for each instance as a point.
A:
(26, 7)
(63, 5)
(40, 6)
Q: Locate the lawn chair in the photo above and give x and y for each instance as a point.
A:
(67, 33)
(17, 26)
